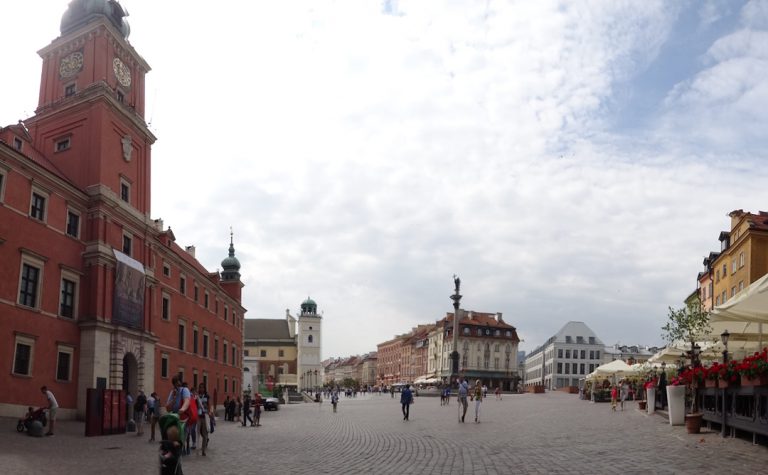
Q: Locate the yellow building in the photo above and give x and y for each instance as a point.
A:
(743, 255)
(270, 352)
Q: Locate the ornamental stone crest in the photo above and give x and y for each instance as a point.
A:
(127, 142)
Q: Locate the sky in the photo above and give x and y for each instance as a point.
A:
(568, 160)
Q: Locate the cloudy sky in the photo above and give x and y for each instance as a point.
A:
(569, 160)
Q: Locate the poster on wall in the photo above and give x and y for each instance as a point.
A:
(129, 292)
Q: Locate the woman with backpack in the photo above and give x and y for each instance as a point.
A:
(192, 417)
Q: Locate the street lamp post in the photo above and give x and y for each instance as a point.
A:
(456, 297)
(724, 338)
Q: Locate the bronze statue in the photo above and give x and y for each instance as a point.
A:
(457, 282)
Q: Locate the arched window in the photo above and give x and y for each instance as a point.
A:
(309, 339)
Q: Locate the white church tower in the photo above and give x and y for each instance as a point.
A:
(309, 370)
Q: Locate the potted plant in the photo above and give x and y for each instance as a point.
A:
(754, 369)
(689, 324)
(676, 397)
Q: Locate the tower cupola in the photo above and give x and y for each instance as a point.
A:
(81, 12)
(309, 307)
(230, 264)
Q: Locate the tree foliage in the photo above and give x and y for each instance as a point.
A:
(686, 324)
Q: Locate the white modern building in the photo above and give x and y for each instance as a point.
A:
(569, 355)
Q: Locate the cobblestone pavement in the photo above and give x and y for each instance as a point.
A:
(528, 433)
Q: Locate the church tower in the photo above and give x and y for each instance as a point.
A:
(309, 367)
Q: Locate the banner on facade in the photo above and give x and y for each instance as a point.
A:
(129, 292)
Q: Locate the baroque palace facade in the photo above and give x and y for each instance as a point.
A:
(93, 292)
(487, 351)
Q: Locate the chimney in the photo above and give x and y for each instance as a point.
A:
(498, 317)
(190, 250)
(470, 314)
(159, 224)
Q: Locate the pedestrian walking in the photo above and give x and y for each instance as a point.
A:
(478, 398)
(406, 399)
(128, 405)
(335, 400)
(614, 395)
(202, 417)
(623, 393)
(257, 401)
(463, 404)
(247, 411)
(192, 421)
(153, 409)
(498, 393)
(53, 406)
(238, 409)
(140, 412)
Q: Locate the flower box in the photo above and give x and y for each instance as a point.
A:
(760, 380)
(710, 383)
(722, 384)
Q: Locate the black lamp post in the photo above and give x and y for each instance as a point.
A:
(456, 297)
(724, 338)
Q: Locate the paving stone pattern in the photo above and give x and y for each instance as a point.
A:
(528, 433)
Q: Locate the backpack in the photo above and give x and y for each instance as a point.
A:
(192, 410)
(140, 402)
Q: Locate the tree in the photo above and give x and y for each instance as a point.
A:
(688, 324)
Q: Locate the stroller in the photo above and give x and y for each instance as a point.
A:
(172, 435)
(26, 421)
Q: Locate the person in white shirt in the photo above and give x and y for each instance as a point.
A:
(52, 407)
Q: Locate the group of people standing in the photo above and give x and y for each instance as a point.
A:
(476, 394)
(237, 410)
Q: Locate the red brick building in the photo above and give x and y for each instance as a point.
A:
(93, 292)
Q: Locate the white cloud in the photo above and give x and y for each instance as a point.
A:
(364, 157)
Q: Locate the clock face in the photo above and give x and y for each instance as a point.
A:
(122, 72)
(71, 64)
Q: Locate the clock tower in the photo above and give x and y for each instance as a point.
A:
(89, 121)
(309, 368)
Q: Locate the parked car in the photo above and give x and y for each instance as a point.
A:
(271, 404)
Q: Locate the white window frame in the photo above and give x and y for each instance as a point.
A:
(129, 236)
(165, 296)
(166, 269)
(24, 340)
(183, 346)
(128, 184)
(3, 182)
(62, 144)
(79, 215)
(183, 289)
(46, 196)
(165, 357)
(75, 278)
(71, 351)
(40, 265)
(741, 259)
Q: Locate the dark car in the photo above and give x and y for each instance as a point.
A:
(271, 404)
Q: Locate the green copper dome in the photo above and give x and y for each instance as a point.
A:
(309, 307)
(81, 12)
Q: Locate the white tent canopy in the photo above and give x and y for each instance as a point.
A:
(743, 316)
(749, 305)
(614, 368)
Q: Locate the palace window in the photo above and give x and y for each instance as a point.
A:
(37, 205)
(73, 224)
(62, 144)
(182, 335)
(164, 366)
(23, 355)
(67, 304)
(166, 306)
(263, 353)
(64, 363)
(30, 284)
